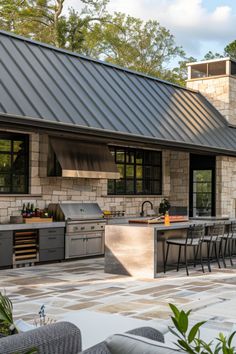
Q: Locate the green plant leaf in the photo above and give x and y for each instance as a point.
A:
(183, 321)
(185, 346)
(231, 338)
(176, 323)
(194, 330)
(174, 333)
(174, 310)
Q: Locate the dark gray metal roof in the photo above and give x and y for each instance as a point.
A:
(40, 83)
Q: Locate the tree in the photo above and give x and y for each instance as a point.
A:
(230, 50)
(143, 46)
(210, 55)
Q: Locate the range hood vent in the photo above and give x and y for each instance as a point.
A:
(84, 160)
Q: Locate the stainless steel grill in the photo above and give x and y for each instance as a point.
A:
(85, 228)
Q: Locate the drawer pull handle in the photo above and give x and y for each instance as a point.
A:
(51, 251)
(52, 238)
(52, 231)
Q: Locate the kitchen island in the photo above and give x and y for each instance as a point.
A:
(138, 249)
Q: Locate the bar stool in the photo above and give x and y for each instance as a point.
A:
(214, 239)
(194, 237)
(230, 240)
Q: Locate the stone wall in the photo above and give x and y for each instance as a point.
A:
(226, 186)
(220, 91)
(179, 177)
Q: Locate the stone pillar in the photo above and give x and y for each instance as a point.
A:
(221, 93)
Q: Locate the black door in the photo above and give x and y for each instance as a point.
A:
(202, 185)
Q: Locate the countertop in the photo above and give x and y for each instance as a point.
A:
(33, 226)
(174, 226)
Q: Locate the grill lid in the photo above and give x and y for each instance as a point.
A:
(78, 211)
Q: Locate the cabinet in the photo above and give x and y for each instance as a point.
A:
(82, 245)
(51, 244)
(6, 248)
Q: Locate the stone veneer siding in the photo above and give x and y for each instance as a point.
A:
(226, 185)
(44, 190)
(220, 91)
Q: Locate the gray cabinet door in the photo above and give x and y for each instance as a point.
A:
(51, 241)
(6, 249)
(75, 246)
(54, 254)
(94, 245)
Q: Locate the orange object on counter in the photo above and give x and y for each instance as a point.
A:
(167, 219)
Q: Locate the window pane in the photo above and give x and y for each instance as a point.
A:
(156, 187)
(120, 155)
(5, 181)
(202, 176)
(18, 145)
(129, 171)
(139, 157)
(120, 186)
(152, 158)
(204, 187)
(139, 187)
(110, 187)
(130, 187)
(129, 156)
(147, 172)
(121, 169)
(5, 163)
(18, 163)
(18, 183)
(139, 171)
(5, 145)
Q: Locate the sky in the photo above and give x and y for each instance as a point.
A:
(198, 25)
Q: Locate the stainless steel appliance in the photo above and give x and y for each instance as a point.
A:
(85, 228)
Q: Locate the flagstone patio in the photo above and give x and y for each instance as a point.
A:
(82, 285)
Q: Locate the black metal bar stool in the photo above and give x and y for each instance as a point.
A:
(230, 240)
(214, 243)
(194, 237)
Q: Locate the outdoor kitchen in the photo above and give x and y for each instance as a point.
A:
(84, 168)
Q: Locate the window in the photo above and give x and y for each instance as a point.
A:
(13, 163)
(140, 171)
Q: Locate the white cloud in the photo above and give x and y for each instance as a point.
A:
(194, 26)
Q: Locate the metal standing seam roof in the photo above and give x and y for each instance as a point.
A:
(50, 85)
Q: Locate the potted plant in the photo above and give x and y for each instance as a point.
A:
(164, 206)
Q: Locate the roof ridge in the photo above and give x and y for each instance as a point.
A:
(98, 61)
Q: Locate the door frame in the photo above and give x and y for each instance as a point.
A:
(202, 162)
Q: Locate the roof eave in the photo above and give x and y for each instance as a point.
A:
(36, 123)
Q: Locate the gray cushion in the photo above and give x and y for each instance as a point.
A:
(131, 344)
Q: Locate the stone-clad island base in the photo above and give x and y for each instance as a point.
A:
(138, 250)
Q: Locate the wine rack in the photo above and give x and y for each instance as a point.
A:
(26, 247)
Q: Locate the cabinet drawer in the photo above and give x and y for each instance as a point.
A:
(52, 231)
(51, 241)
(6, 251)
(54, 254)
(6, 234)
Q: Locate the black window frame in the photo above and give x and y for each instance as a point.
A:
(25, 139)
(128, 153)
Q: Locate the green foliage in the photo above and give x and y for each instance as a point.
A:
(189, 340)
(210, 55)
(230, 49)
(7, 326)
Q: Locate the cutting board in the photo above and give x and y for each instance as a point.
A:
(37, 219)
(161, 221)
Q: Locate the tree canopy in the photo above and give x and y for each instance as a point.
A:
(117, 38)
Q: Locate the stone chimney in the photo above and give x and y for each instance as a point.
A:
(216, 80)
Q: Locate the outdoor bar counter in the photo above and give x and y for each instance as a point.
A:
(138, 249)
